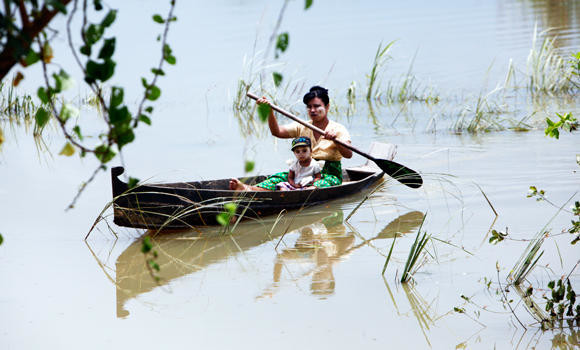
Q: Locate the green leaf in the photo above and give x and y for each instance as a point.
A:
(157, 18)
(168, 55)
(154, 265)
(93, 33)
(132, 182)
(157, 71)
(117, 94)
(63, 81)
(126, 137)
(119, 116)
(68, 111)
(145, 119)
(231, 207)
(104, 154)
(108, 49)
(249, 166)
(223, 219)
(170, 59)
(42, 116)
(153, 93)
(77, 131)
(85, 50)
(277, 78)
(282, 43)
(109, 18)
(98, 5)
(149, 109)
(68, 150)
(1, 239)
(31, 58)
(42, 95)
(146, 245)
(307, 4)
(264, 111)
(100, 71)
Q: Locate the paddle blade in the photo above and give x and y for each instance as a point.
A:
(401, 173)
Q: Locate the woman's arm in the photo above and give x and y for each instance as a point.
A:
(275, 129)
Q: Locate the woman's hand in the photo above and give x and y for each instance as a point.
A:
(263, 100)
(330, 135)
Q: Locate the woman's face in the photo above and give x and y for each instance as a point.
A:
(316, 109)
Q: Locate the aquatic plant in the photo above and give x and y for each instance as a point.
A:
(381, 57)
(415, 252)
(548, 72)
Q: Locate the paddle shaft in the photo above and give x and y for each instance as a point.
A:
(310, 126)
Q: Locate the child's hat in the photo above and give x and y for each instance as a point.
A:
(301, 141)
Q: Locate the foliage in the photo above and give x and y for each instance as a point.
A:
(497, 236)
(541, 194)
(1, 239)
(562, 300)
(567, 122)
(225, 218)
(25, 39)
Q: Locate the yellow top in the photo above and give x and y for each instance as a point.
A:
(322, 149)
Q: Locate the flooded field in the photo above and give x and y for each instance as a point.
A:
(467, 122)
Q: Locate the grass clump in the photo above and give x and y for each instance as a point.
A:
(550, 73)
(417, 250)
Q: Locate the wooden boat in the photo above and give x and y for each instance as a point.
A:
(188, 204)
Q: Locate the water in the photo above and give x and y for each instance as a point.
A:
(322, 288)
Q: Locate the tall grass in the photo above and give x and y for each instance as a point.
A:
(548, 71)
(381, 57)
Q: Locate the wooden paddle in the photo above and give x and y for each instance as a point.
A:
(401, 173)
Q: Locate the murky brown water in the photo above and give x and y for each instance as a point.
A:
(312, 280)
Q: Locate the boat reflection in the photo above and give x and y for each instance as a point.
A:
(323, 244)
(322, 240)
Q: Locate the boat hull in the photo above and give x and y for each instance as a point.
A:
(190, 204)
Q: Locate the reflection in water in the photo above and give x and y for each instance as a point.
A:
(420, 308)
(323, 244)
(557, 16)
(322, 241)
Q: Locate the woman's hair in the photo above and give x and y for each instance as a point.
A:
(316, 91)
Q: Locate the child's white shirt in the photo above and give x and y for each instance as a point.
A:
(303, 175)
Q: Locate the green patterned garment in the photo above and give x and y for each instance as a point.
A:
(331, 176)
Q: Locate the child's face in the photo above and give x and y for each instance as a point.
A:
(302, 153)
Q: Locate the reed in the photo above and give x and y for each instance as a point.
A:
(549, 73)
(415, 252)
(381, 57)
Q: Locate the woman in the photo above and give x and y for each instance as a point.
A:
(323, 147)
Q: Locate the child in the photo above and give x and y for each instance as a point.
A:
(304, 171)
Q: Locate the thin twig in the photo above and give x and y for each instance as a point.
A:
(506, 299)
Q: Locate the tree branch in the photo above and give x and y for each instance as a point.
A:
(30, 30)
